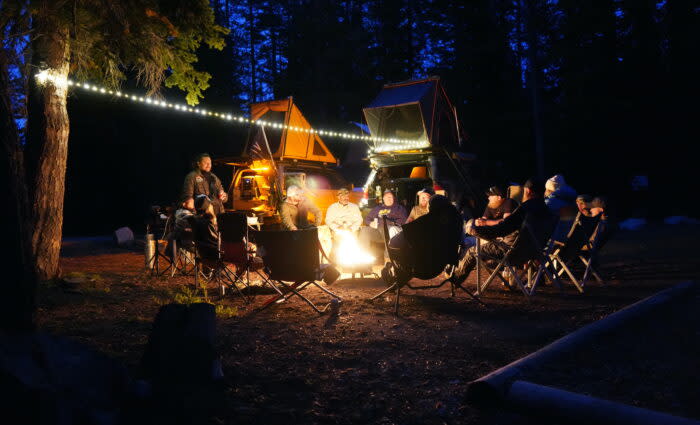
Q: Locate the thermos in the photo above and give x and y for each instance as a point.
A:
(150, 251)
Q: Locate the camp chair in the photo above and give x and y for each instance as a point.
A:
(583, 243)
(179, 251)
(590, 252)
(182, 259)
(160, 230)
(578, 244)
(292, 264)
(399, 275)
(527, 251)
(210, 265)
(237, 250)
(567, 217)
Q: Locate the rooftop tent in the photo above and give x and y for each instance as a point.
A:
(417, 110)
(287, 144)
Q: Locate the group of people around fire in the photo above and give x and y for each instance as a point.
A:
(432, 224)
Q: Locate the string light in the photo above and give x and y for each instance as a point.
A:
(381, 143)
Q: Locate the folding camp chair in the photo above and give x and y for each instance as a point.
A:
(292, 264)
(157, 231)
(160, 262)
(399, 275)
(589, 254)
(210, 265)
(579, 243)
(183, 259)
(527, 251)
(237, 250)
(582, 243)
(180, 260)
(180, 250)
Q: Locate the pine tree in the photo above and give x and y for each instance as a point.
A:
(101, 40)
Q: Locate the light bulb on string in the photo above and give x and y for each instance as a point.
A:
(48, 76)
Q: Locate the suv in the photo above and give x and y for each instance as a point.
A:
(275, 159)
(254, 186)
(406, 172)
(418, 145)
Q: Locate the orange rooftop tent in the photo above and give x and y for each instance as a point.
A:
(286, 144)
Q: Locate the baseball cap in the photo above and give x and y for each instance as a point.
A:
(201, 203)
(495, 191)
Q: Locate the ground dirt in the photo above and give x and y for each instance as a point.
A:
(287, 364)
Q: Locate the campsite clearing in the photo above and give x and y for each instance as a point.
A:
(289, 365)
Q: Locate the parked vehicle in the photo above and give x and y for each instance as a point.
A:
(275, 159)
(421, 147)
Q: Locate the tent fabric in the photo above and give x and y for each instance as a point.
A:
(402, 94)
(416, 110)
(292, 144)
(401, 122)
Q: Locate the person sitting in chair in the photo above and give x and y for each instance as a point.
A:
(559, 195)
(430, 242)
(422, 207)
(608, 225)
(560, 198)
(533, 210)
(344, 215)
(498, 208)
(205, 228)
(583, 203)
(394, 213)
(181, 232)
(343, 219)
(295, 210)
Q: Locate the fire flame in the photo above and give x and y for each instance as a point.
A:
(349, 251)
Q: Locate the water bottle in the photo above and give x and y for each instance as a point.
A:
(150, 251)
(335, 307)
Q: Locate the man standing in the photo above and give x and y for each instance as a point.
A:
(201, 181)
(295, 210)
(344, 215)
(422, 207)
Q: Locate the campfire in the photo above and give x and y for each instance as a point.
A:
(350, 254)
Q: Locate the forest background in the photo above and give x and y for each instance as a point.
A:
(608, 88)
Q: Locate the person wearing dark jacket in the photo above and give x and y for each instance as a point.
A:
(395, 215)
(389, 208)
(201, 181)
(205, 228)
(533, 210)
(431, 241)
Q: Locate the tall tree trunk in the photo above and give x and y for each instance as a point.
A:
(49, 179)
(533, 82)
(253, 65)
(20, 284)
